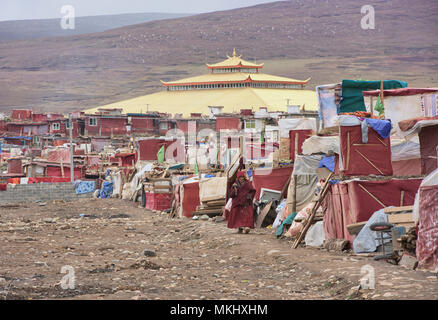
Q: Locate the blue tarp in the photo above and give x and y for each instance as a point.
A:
(106, 191)
(328, 162)
(84, 186)
(383, 127)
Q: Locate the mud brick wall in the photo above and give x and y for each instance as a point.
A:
(42, 192)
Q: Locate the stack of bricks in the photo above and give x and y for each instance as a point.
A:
(42, 192)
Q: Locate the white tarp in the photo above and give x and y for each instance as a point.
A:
(306, 164)
(286, 125)
(367, 239)
(315, 235)
(404, 150)
(212, 189)
(317, 144)
(399, 108)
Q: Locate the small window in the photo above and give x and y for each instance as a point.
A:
(92, 121)
(163, 126)
(67, 125)
(56, 126)
(250, 124)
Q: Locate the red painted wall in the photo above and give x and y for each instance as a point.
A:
(142, 125)
(224, 123)
(115, 126)
(22, 114)
(56, 172)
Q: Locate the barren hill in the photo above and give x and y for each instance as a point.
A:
(44, 28)
(321, 39)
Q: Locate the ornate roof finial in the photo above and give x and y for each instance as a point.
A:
(234, 52)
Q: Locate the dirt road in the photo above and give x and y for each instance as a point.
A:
(101, 245)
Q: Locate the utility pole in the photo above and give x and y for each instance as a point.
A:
(72, 169)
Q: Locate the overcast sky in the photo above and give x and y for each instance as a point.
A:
(43, 9)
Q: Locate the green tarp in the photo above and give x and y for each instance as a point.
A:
(352, 97)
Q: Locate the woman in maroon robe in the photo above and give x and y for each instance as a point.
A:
(242, 212)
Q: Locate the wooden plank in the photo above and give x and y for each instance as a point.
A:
(402, 196)
(399, 209)
(400, 218)
(263, 214)
(355, 228)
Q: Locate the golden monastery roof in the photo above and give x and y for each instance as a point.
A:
(232, 99)
(234, 77)
(234, 62)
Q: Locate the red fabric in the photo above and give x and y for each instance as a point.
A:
(411, 167)
(149, 148)
(274, 179)
(405, 125)
(158, 201)
(240, 174)
(399, 92)
(302, 136)
(428, 148)
(242, 195)
(191, 199)
(427, 240)
(48, 180)
(333, 220)
(3, 186)
(349, 203)
(375, 151)
(56, 172)
(241, 217)
(14, 180)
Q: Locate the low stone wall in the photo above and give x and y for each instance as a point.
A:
(41, 191)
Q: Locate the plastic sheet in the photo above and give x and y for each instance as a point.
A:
(315, 235)
(304, 165)
(286, 125)
(367, 239)
(317, 144)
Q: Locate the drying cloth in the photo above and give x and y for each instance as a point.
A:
(84, 187)
(287, 221)
(382, 127)
(3, 186)
(106, 191)
(328, 162)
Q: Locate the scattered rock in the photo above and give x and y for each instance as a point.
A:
(204, 217)
(119, 216)
(408, 261)
(271, 252)
(149, 253)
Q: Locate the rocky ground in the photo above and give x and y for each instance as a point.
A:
(119, 251)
